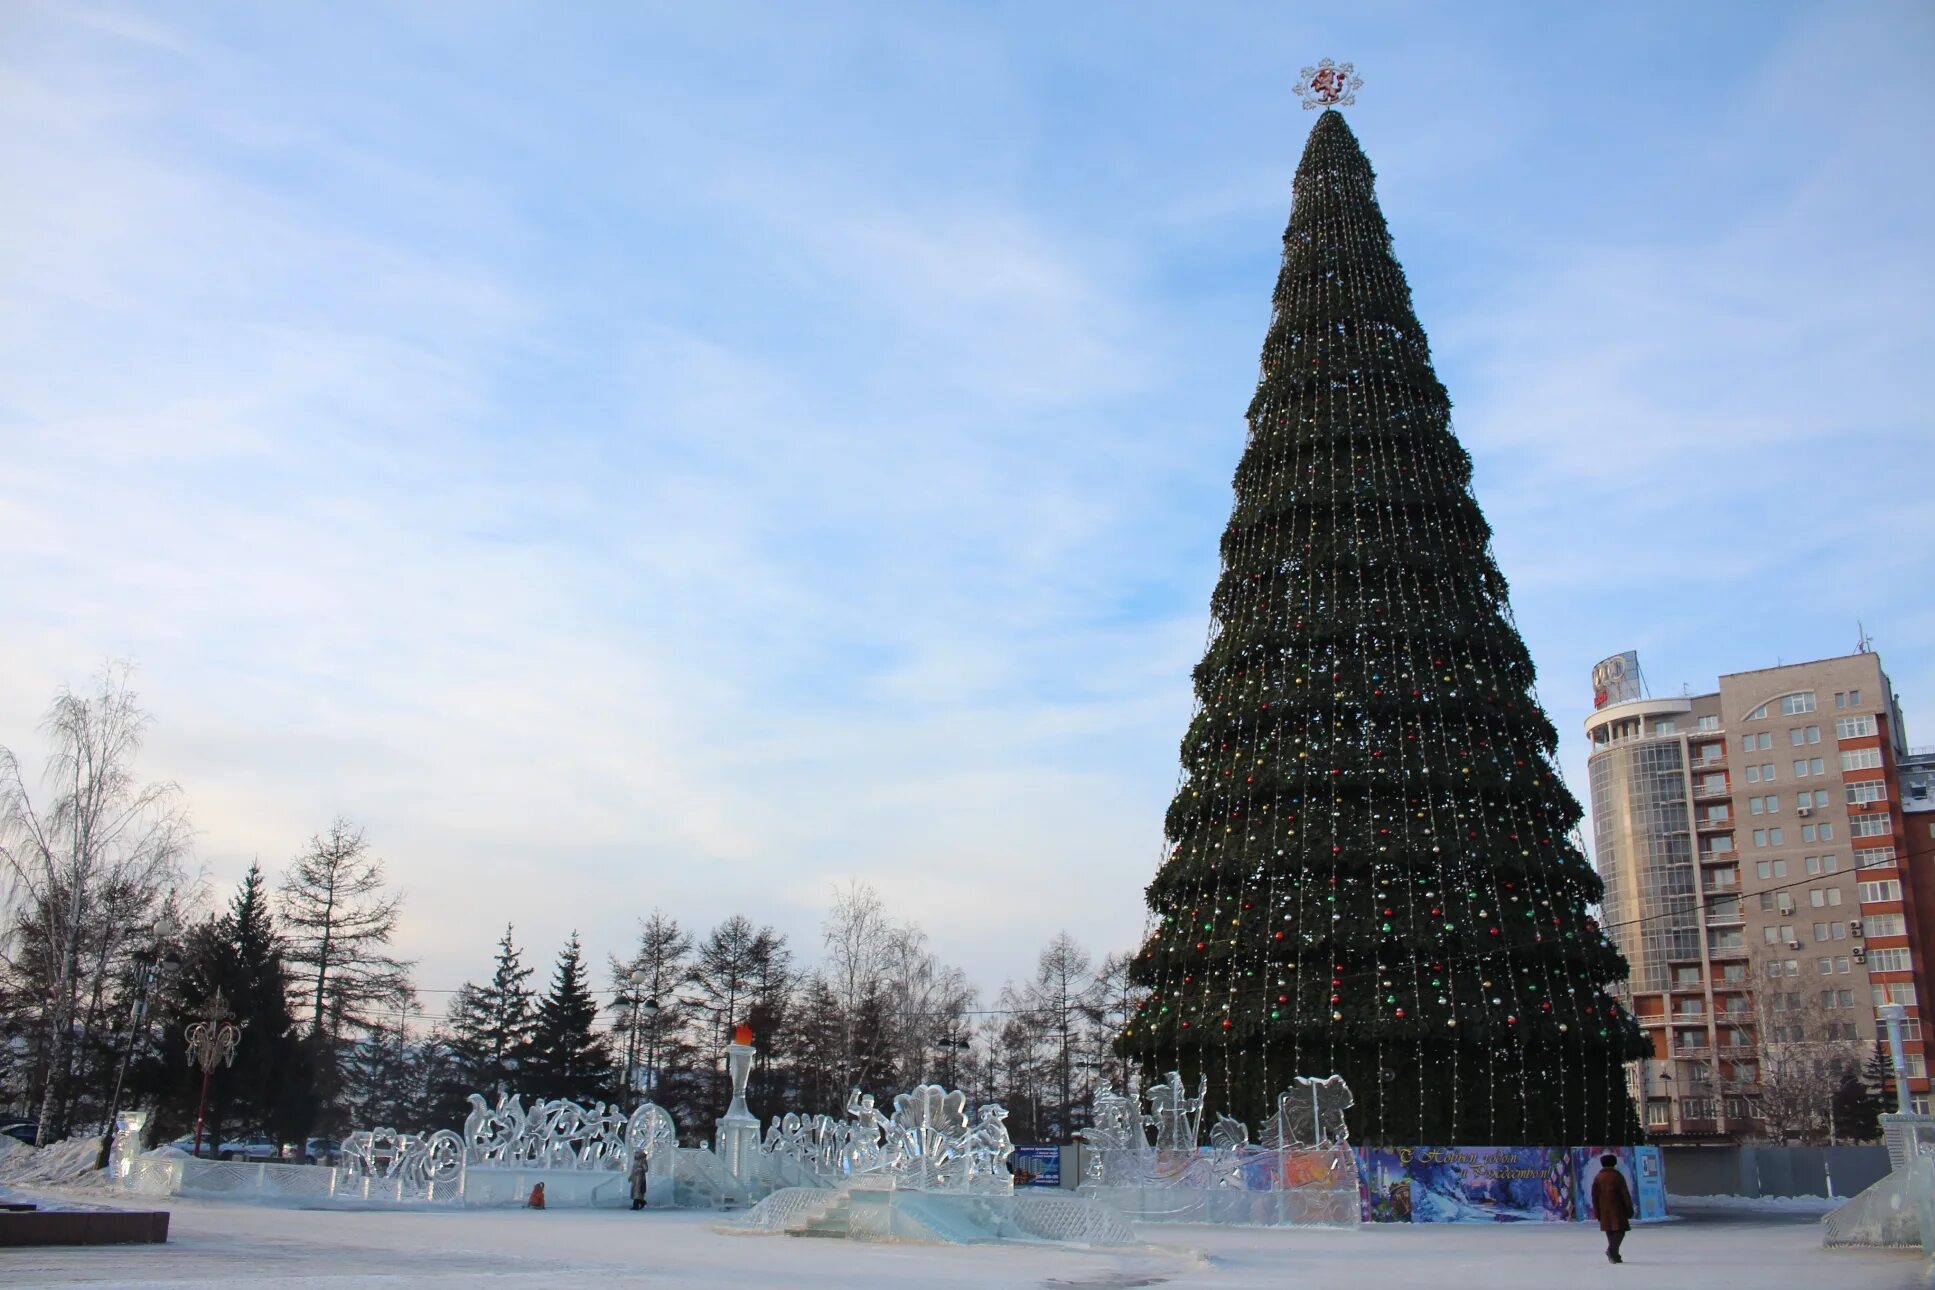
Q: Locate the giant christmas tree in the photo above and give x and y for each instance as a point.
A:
(1371, 866)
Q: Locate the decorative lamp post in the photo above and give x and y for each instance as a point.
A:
(738, 1136)
(149, 965)
(211, 1042)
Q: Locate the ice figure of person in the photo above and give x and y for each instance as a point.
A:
(987, 1145)
(864, 1146)
(1177, 1118)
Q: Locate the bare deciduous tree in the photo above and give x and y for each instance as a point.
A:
(77, 859)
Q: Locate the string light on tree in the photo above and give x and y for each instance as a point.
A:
(1372, 867)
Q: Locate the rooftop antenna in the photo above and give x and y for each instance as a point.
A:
(1863, 643)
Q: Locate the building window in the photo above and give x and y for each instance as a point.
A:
(1796, 736)
(1824, 966)
(1871, 857)
(1797, 703)
(1766, 740)
(1884, 925)
(1863, 791)
(1780, 868)
(1814, 734)
(1890, 960)
(1767, 771)
(1820, 794)
(1854, 727)
(1707, 723)
(1880, 892)
(1753, 774)
(1868, 826)
(1756, 806)
(1814, 765)
(1666, 727)
(1821, 932)
(1800, 767)
(1773, 837)
(1758, 714)
(1658, 1113)
(1894, 992)
(1760, 837)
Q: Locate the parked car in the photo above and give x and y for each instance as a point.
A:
(254, 1147)
(313, 1151)
(25, 1130)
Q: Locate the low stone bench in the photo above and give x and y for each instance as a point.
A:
(83, 1227)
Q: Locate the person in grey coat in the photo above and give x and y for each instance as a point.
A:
(641, 1172)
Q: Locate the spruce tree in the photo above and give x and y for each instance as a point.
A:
(568, 1057)
(490, 1030)
(271, 1085)
(1372, 866)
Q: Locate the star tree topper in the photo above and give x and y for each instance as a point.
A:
(1329, 84)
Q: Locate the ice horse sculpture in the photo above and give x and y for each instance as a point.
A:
(1300, 1171)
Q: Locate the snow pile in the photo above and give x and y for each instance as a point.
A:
(10, 1144)
(1765, 1204)
(62, 1165)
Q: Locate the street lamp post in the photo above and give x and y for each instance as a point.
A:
(149, 965)
(211, 1042)
(650, 1008)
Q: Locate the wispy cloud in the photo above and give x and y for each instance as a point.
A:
(695, 458)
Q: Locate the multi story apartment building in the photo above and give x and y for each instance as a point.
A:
(1769, 858)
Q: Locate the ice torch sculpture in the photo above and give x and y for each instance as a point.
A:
(738, 1136)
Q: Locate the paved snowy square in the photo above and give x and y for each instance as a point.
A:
(216, 1244)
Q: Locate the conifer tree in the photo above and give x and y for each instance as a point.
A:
(271, 1085)
(1372, 867)
(569, 1058)
(490, 1030)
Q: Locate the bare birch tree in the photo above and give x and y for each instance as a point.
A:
(78, 858)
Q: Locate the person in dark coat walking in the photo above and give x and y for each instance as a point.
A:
(1613, 1203)
(641, 1174)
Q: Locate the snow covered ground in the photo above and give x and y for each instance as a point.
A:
(224, 1244)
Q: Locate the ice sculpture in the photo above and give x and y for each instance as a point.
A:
(927, 1144)
(416, 1160)
(1310, 1115)
(562, 1134)
(1177, 1118)
(1300, 1170)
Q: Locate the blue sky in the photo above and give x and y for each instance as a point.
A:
(694, 455)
